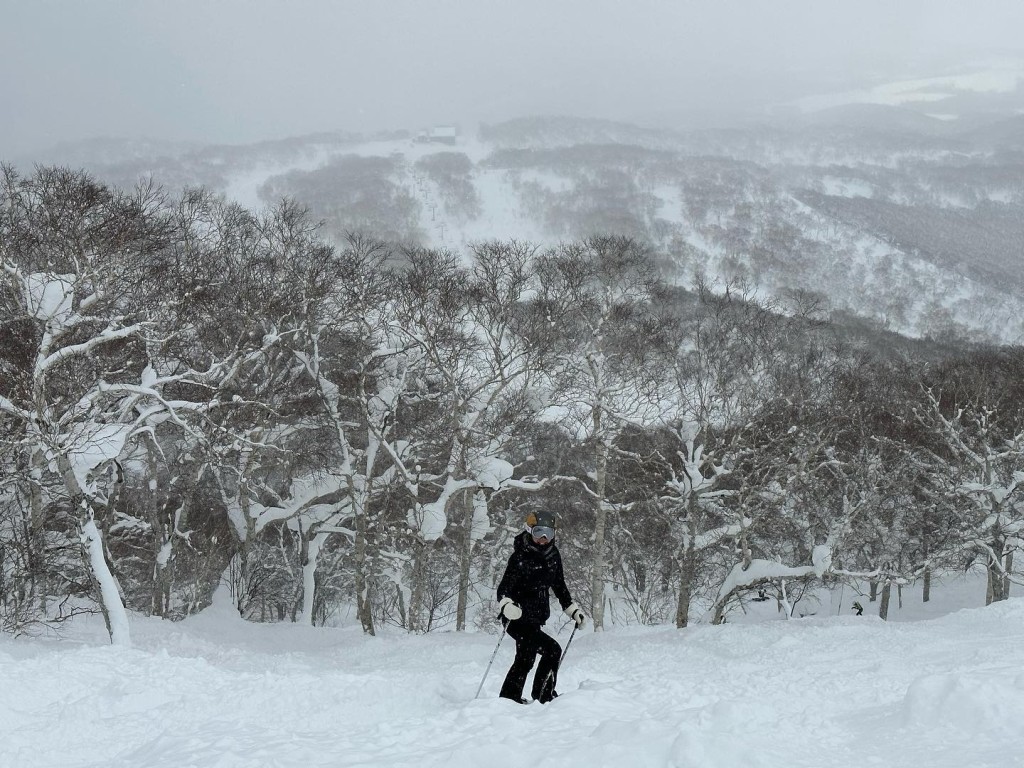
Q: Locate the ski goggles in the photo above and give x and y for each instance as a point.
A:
(542, 532)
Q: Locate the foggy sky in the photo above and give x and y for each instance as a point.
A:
(239, 71)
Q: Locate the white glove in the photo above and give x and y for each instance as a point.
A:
(575, 613)
(509, 610)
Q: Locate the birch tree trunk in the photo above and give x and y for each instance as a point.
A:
(600, 526)
(39, 587)
(417, 589)
(719, 616)
(162, 546)
(243, 586)
(1008, 566)
(163, 550)
(311, 543)
(361, 547)
(927, 581)
(687, 571)
(997, 583)
(465, 559)
(107, 590)
(114, 615)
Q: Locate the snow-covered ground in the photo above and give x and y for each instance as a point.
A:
(821, 691)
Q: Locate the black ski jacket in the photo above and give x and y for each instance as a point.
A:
(531, 571)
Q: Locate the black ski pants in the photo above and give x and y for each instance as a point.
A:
(530, 641)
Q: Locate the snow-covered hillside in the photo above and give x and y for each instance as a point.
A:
(842, 691)
(743, 213)
(911, 221)
(935, 94)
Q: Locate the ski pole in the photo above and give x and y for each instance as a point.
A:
(566, 649)
(551, 675)
(503, 631)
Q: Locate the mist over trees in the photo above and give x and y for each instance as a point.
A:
(339, 424)
(353, 193)
(912, 222)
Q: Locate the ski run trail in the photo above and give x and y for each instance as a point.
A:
(818, 692)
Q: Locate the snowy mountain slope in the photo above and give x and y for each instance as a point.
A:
(730, 212)
(841, 691)
(998, 79)
(816, 203)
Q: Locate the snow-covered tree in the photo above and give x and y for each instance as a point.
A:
(718, 348)
(596, 295)
(470, 327)
(364, 371)
(984, 444)
(77, 264)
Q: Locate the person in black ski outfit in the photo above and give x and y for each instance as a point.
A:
(534, 567)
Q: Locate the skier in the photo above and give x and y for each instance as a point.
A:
(534, 567)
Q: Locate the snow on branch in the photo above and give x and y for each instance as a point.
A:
(8, 407)
(105, 337)
(764, 571)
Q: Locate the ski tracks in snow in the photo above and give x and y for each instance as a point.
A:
(838, 692)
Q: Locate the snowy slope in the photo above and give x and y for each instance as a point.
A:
(213, 691)
(999, 76)
(727, 203)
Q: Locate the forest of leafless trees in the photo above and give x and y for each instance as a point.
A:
(192, 393)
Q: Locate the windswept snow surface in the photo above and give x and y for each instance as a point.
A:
(216, 692)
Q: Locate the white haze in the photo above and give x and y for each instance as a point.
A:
(233, 71)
